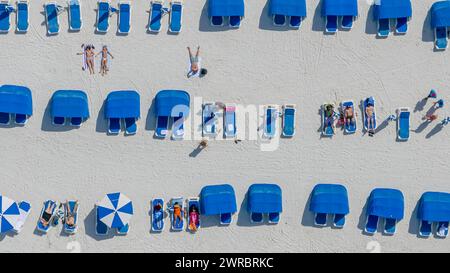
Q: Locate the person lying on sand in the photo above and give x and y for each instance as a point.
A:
(104, 62)
(47, 215)
(90, 54)
(195, 62)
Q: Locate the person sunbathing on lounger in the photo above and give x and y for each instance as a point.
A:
(349, 116)
(193, 217)
(104, 62)
(70, 217)
(369, 116)
(47, 215)
(177, 210)
(329, 112)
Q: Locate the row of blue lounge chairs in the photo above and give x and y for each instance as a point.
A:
(384, 208)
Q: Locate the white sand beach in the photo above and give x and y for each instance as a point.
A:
(256, 64)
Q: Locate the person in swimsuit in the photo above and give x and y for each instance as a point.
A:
(193, 217)
(369, 116)
(329, 112)
(47, 215)
(349, 116)
(104, 63)
(177, 210)
(194, 59)
(90, 54)
(70, 216)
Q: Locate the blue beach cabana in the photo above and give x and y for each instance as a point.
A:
(264, 199)
(171, 104)
(69, 104)
(440, 21)
(333, 9)
(15, 103)
(220, 9)
(329, 199)
(218, 200)
(387, 204)
(434, 207)
(281, 9)
(384, 10)
(122, 105)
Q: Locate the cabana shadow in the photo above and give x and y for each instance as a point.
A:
(266, 23)
(150, 122)
(371, 24)
(427, 31)
(243, 215)
(47, 124)
(413, 227)
(307, 216)
(318, 22)
(101, 123)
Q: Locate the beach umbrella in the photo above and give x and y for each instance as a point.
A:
(9, 213)
(115, 210)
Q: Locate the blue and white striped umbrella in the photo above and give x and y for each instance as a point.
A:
(115, 210)
(9, 213)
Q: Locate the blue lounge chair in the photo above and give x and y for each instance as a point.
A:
(347, 22)
(176, 16)
(193, 202)
(75, 21)
(5, 118)
(230, 120)
(274, 217)
(162, 125)
(349, 126)
(76, 121)
(279, 20)
(178, 127)
(256, 217)
(425, 228)
(103, 12)
(155, 16)
(295, 21)
(58, 121)
(339, 220)
(22, 23)
(177, 224)
(235, 21)
(390, 226)
(20, 119)
(40, 226)
(209, 119)
(72, 205)
(226, 219)
(157, 215)
(331, 24)
(5, 20)
(403, 123)
(327, 122)
(440, 36)
(51, 15)
(320, 219)
(270, 121)
(402, 25)
(443, 225)
(371, 224)
(370, 101)
(289, 120)
(124, 20)
(101, 229)
(130, 126)
(217, 21)
(24, 209)
(114, 126)
(383, 27)
(123, 230)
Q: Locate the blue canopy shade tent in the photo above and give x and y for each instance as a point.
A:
(434, 207)
(122, 105)
(15, 100)
(329, 199)
(171, 104)
(440, 20)
(280, 9)
(384, 203)
(392, 9)
(218, 9)
(264, 198)
(332, 9)
(69, 104)
(218, 200)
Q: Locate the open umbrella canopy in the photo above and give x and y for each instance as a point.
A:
(115, 210)
(9, 213)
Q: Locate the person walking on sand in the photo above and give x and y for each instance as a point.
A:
(439, 104)
(104, 62)
(431, 95)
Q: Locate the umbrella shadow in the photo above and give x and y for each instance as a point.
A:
(420, 105)
(435, 130)
(89, 227)
(383, 125)
(197, 151)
